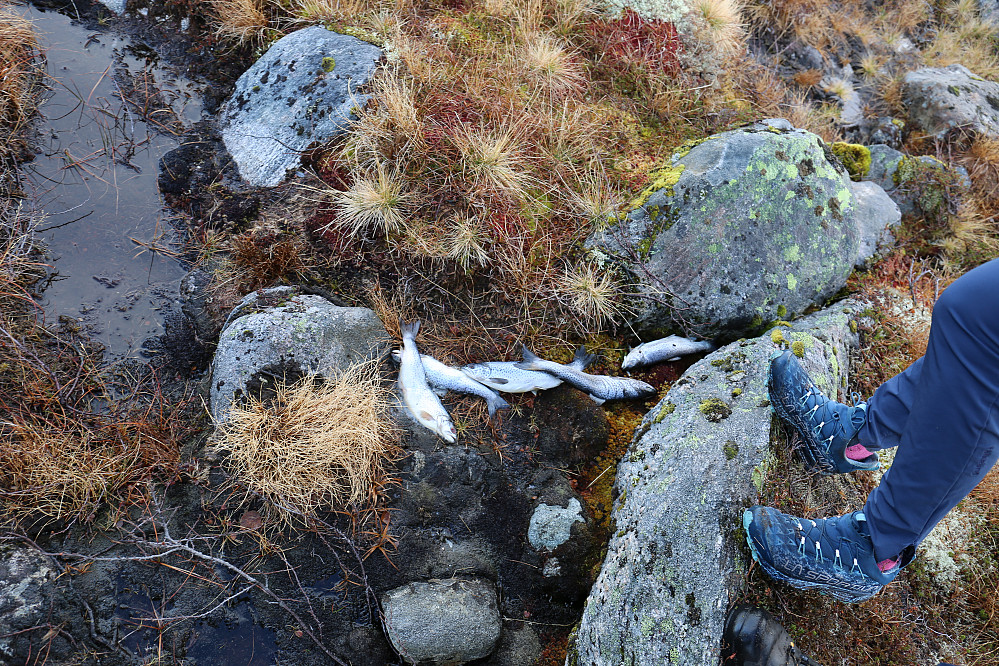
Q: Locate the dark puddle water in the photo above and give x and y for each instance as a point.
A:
(113, 111)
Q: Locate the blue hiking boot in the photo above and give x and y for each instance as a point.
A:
(832, 555)
(828, 429)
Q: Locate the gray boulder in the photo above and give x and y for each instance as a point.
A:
(277, 333)
(749, 226)
(302, 91)
(877, 215)
(451, 621)
(677, 557)
(940, 99)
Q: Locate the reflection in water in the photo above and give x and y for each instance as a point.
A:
(113, 111)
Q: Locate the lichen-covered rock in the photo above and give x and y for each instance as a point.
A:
(25, 597)
(677, 559)
(749, 226)
(940, 99)
(451, 621)
(302, 91)
(277, 333)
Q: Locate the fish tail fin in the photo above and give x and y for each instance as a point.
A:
(409, 330)
(495, 403)
(530, 359)
(581, 359)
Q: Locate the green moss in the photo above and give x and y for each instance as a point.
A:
(798, 348)
(856, 158)
(853, 326)
(777, 337)
(781, 311)
(736, 392)
(664, 411)
(661, 179)
(731, 449)
(714, 409)
(329, 64)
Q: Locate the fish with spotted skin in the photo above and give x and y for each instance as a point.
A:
(421, 403)
(444, 378)
(599, 387)
(505, 376)
(670, 348)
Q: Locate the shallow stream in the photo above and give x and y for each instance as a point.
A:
(113, 110)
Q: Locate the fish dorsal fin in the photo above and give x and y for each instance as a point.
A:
(529, 356)
(581, 359)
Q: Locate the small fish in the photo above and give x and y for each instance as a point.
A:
(505, 376)
(670, 348)
(421, 403)
(446, 378)
(598, 387)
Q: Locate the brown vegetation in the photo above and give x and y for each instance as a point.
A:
(316, 446)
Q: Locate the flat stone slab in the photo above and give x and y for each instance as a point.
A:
(677, 559)
(301, 92)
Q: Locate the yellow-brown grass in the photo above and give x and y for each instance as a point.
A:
(239, 20)
(317, 446)
(21, 75)
(54, 469)
(722, 21)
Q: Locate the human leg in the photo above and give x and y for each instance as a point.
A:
(950, 438)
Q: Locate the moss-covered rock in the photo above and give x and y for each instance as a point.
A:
(855, 157)
(745, 227)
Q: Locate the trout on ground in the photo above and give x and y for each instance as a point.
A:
(599, 387)
(670, 348)
(444, 377)
(421, 403)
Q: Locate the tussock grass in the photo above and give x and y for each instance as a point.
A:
(239, 20)
(317, 446)
(723, 24)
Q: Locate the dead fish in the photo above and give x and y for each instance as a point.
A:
(421, 403)
(670, 348)
(505, 376)
(446, 378)
(598, 387)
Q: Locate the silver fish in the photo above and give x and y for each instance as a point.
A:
(421, 403)
(670, 348)
(598, 387)
(441, 376)
(505, 376)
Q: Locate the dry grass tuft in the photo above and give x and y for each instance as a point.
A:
(593, 295)
(318, 446)
(552, 65)
(239, 20)
(375, 202)
(723, 24)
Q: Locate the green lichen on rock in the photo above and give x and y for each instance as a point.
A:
(661, 179)
(664, 411)
(855, 157)
(714, 409)
(329, 64)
